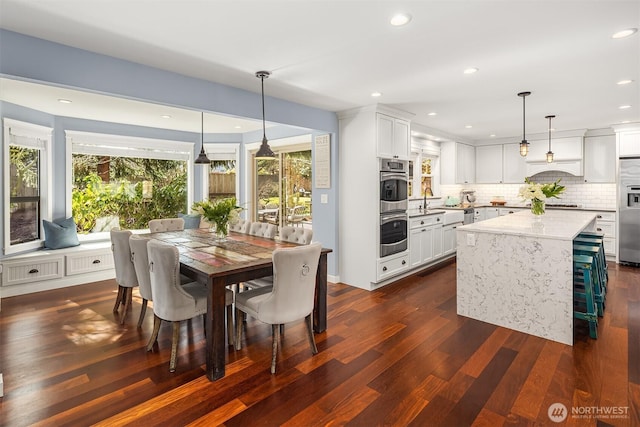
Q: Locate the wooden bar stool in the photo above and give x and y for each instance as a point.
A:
(584, 306)
(596, 241)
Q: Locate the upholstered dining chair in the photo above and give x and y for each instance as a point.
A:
(125, 272)
(302, 236)
(166, 224)
(140, 259)
(291, 298)
(174, 302)
(262, 229)
(240, 226)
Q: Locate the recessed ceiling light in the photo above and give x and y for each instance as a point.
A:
(376, 94)
(625, 121)
(64, 101)
(433, 113)
(624, 107)
(493, 135)
(400, 19)
(165, 116)
(625, 82)
(624, 33)
(237, 127)
(471, 70)
(468, 126)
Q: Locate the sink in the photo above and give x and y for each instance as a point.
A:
(453, 216)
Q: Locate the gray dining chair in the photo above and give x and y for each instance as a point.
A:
(302, 236)
(263, 229)
(240, 226)
(140, 259)
(166, 224)
(125, 272)
(174, 302)
(290, 299)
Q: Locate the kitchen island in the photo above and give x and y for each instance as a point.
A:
(516, 271)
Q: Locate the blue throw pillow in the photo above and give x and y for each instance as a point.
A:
(62, 234)
(190, 221)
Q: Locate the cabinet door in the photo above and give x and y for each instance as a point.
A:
(514, 166)
(437, 243)
(465, 164)
(491, 213)
(448, 239)
(384, 132)
(401, 139)
(415, 250)
(426, 240)
(447, 163)
(629, 144)
(489, 164)
(600, 159)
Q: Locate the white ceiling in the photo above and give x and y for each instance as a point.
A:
(333, 54)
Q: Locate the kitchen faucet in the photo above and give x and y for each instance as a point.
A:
(425, 203)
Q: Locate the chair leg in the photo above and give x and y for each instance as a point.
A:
(143, 311)
(118, 299)
(174, 346)
(282, 329)
(238, 340)
(312, 340)
(230, 328)
(154, 335)
(275, 333)
(128, 293)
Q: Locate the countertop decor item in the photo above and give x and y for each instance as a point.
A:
(539, 193)
(218, 212)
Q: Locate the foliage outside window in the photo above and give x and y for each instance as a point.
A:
(24, 194)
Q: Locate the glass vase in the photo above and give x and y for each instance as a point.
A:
(537, 207)
(221, 231)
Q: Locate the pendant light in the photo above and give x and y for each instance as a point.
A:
(202, 158)
(264, 152)
(524, 145)
(549, 153)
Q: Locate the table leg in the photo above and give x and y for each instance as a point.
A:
(215, 351)
(320, 303)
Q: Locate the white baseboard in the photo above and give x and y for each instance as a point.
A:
(63, 282)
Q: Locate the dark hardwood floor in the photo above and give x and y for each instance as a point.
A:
(396, 356)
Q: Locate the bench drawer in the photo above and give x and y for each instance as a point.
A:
(32, 270)
(89, 261)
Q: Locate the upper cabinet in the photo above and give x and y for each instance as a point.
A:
(629, 143)
(489, 167)
(514, 166)
(457, 163)
(567, 156)
(600, 159)
(393, 137)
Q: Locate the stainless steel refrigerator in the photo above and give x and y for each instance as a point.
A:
(630, 211)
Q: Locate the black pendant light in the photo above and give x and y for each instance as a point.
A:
(202, 158)
(264, 152)
(524, 145)
(550, 153)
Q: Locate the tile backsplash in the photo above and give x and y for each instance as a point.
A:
(586, 195)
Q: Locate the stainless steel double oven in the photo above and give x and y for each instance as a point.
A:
(393, 206)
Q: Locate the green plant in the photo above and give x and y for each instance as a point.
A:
(218, 212)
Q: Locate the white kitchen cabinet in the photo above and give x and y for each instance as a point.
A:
(600, 159)
(457, 163)
(606, 224)
(514, 166)
(491, 212)
(489, 166)
(449, 238)
(392, 265)
(478, 214)
(629, 143)
(507, 211)
(425, 239)
(393, 137)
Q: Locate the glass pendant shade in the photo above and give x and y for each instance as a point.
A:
(264, 152)
(202, 157)
(549, 157)
(524, 148)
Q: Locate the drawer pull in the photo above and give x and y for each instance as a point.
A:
(421, 222)
(599, 216)
(384, 268)
(404, 262)
(96, 261)
(437, 219)
(33, 270)
(598, 229)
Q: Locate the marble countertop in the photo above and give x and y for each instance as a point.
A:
(556, 224)
(522, 206)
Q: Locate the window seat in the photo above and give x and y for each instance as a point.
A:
(46, 269)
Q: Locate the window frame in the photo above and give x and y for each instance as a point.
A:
(40, 137)
(122, 145)
(221, 151)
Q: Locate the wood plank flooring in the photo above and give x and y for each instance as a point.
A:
(396, 356)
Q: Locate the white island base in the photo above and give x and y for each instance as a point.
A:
(516, 271)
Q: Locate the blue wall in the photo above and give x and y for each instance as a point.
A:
(27, 58)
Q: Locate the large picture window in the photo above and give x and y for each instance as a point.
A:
(126, 182)
(26, 158)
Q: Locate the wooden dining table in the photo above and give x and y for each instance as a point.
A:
(219, 263)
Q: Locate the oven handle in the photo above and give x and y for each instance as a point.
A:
(385, 176)
(385, 219)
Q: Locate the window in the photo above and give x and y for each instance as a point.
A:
(26, 185)
(222, 175)
(117, 181)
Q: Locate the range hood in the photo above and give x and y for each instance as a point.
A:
(567, 156)
(572, 167)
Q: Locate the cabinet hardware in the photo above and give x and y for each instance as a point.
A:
(33, 270)
(424, 229)
(421, 222)
(96, 261)
(598, 229)
(384, 268)
(437, 219)
(404, 262)
(599, 216)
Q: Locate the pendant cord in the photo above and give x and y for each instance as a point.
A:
(523, 120)
(264, 132)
